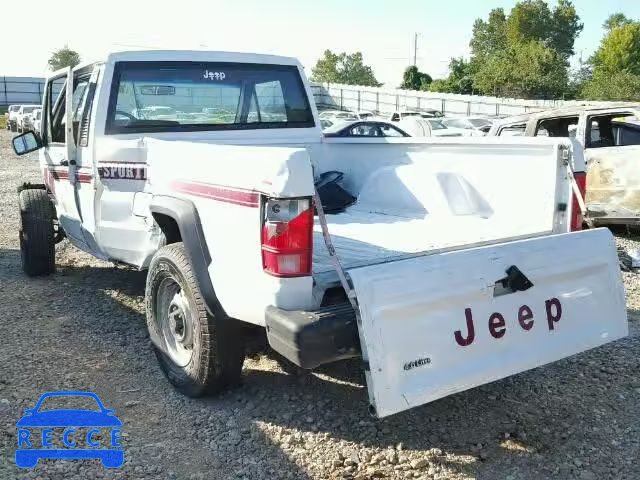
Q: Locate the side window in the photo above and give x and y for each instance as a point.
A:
(628, 135)
(395, 117)
(390, 131)
(54, 110)
(594, 134)
(85, 112)
(513, 130)
(612, 130)
(557, 127)
(77, 101)
(364, 130)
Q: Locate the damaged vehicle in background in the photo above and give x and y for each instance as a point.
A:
(479, 126)
(358, 128)
(610, 136)
(430, 127)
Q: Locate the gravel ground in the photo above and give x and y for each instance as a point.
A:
(84, 329)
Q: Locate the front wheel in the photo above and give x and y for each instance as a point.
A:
(199, 353)
(37, 243)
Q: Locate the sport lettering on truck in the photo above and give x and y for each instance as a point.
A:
(498, 326)
(122, 172)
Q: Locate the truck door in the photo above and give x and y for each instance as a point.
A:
(59, 162)
(68, 160)
(612, 149)
(86, 178)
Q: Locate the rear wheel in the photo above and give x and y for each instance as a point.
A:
(14, 127)
(37, 246)
(199, 353)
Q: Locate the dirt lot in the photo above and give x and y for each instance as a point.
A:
(84, 329)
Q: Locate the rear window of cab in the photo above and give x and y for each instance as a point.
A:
(189, 96)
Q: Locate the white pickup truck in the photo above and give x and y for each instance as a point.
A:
(454, 267)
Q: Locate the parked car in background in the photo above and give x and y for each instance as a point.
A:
(338, 115)
(12, 112)
(23, 120)
(430, 113)
(429, 127)
(324, 123)
(365, 115)
(478, 126)
(36, 120)
(610, 136)
(401, 115)
(364, 128)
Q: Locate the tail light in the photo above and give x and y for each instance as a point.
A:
(576, 214)
(287, 237)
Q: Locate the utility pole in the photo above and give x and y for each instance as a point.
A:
(415, 48)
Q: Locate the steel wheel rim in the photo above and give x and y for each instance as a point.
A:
(176, 321)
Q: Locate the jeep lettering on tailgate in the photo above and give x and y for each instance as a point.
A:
(498, 326)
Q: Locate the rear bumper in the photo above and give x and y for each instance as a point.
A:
(311, 339)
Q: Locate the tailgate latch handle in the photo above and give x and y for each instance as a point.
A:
(515, 281)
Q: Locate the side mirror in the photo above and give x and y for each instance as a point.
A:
(26, 143)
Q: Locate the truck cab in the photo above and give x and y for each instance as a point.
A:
(421, 256)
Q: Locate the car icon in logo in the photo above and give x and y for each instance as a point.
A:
(31, 448)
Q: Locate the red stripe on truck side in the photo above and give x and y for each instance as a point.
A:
(61, 173)
(220, 193)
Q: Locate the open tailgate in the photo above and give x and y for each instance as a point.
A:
(439, 324)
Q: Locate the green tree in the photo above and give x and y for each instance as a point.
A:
(612, 86)
(460, 79)
(343, 68)
(63, 57)
(616, 20)
(326, 69)
(619, 51)
(489, 37)
(501, 45)
(565, 28)
(578, 79)
(529, 20)
(616, 63)
(414, 79)
(524, 69)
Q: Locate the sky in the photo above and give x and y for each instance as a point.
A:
(382, 30)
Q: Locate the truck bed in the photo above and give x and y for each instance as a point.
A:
(452, 198)
(362, 238)
(409, 210)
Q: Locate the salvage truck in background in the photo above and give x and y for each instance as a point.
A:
(608, 174)
(210, 170)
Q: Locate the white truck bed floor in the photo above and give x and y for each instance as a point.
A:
(362, 238)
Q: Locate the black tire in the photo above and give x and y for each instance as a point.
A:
(37, 246)
(14, 127)
(217, 352)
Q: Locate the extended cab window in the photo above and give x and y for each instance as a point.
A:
(187, 96)
(513, 130)
(557, 127)
(613, 130)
